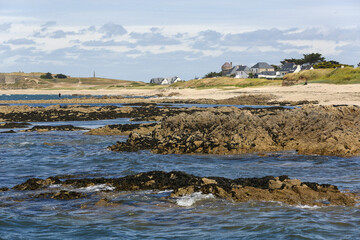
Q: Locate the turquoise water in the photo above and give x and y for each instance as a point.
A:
(146, 214)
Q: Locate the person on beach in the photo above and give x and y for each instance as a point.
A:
(59, 95)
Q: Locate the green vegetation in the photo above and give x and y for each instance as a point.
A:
(213, 74)
(347, 75)
(308, 58)
(46, 76)
(330, 64)
(60, 75)
(226, 82)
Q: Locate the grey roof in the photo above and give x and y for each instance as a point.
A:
(269, 73)
(288, 67)
(238, 68)
(306, 67)
(157, 80)
(262, 65)
(242, 68)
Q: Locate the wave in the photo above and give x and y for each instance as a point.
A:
(189, 200)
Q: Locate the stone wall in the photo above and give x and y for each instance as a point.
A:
(9, 79)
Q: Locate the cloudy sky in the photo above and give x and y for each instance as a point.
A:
(141, 39)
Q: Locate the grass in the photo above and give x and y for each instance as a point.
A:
(345, 75)
(225, 82)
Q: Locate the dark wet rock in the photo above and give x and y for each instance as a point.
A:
(139, 104)
(134, 143)
(4, 189)
(62, 195)
(85, 113)
(36, 183)
(55, 128)
(282, 188)
(322, 130)
(123, 129)
(14, 125)
(10, 131)
(292, 103)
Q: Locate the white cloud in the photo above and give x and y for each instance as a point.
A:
(325, 47)
(111, 45)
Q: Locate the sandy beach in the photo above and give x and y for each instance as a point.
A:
(325, 94)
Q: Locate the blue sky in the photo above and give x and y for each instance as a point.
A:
(141, 39)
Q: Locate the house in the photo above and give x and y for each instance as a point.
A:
(241, 71)
(268, 75)
(261, 67)
(289, 67)
(158, 80)
(165, 81)
(238, 71)
(306, 66)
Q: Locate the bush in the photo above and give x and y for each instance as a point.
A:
(213, 74)
(60, 75)
(330, 64)
(46, 76)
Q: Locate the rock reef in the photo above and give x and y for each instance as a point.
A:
(323, 130)
(86, 113)
(123, 129)
(282, 188)
(55, 128)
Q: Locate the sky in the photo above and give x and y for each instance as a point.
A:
(142, 39)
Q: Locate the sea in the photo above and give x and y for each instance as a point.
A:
(151, 214)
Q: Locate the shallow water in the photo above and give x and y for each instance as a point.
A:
(147, 214)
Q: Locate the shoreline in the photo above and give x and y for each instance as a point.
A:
(325, 94)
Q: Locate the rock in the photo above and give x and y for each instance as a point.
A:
(4, 189)
(269, 188)
(123, 129)
(55, 128)
(10, 131)
(36, 183)
(67, 195)
(322, 130)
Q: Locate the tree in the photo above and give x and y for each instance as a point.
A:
(359, 64)
(60, 75)
(293, 60)
(313, 58)
(330, 64)
(276, 67)
(46, 76)
(213, 74)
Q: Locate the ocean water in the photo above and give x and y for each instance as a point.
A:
(146, 214)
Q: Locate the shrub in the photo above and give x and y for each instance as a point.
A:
(46, 76)
(213, 74)
(60, 75)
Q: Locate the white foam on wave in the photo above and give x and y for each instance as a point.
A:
(97, 188)
(189, 200)
(166, 191)
(307, 207)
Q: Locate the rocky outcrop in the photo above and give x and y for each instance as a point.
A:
(62, 195)
(86, 113)
(323, 130)
(282, 188)
(55, 128)
(123, 129)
